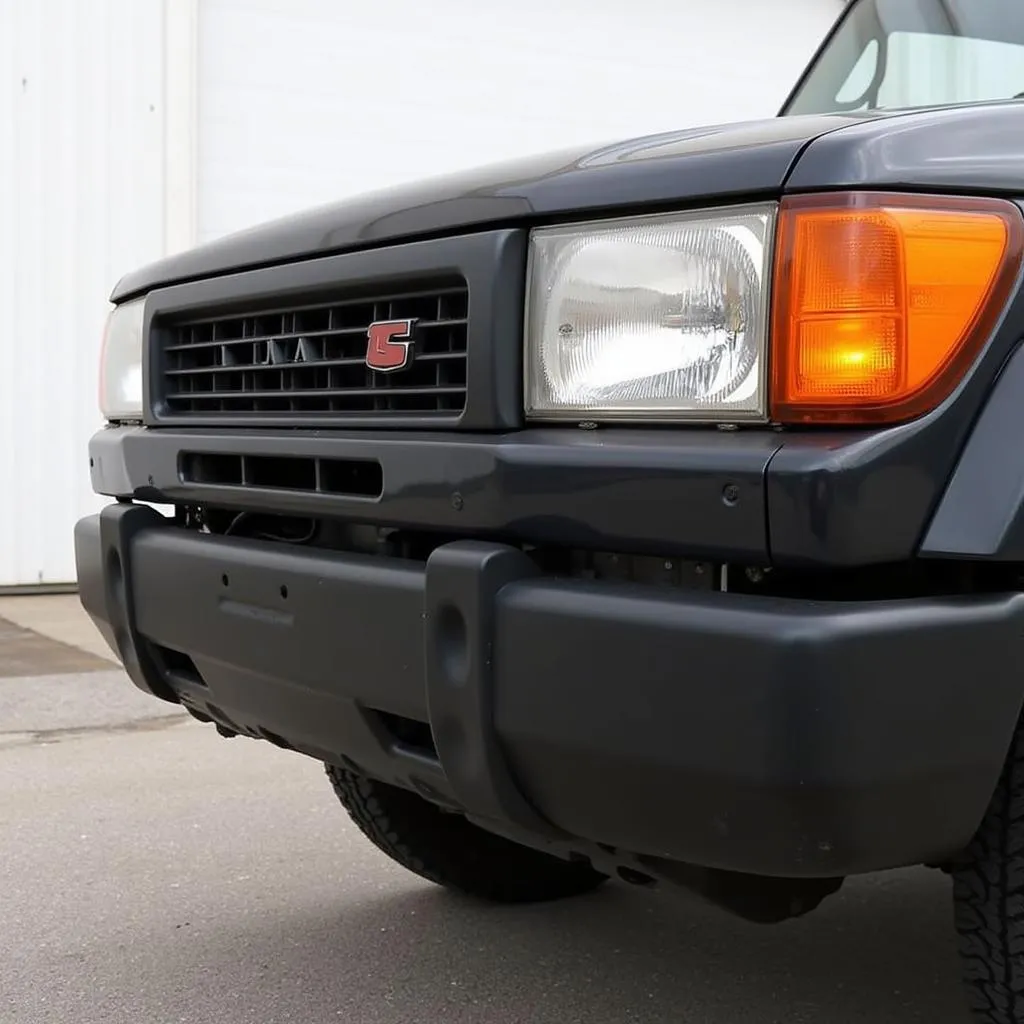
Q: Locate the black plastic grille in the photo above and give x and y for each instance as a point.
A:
(311, 359)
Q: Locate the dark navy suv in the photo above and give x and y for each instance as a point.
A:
(653, 512)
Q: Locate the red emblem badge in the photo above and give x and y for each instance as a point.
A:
(389, 345)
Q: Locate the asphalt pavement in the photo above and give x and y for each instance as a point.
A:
(151, 871)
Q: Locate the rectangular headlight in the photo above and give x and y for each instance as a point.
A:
(121, 363)
(661, 317)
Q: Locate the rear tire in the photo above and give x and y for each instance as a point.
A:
(449, 850)
(988, 887)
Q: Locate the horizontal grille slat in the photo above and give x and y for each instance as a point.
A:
(341, 303)
(347, 393)
(310, 358)
(298, 335)
(325, 364)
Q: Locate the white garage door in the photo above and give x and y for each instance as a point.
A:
(305, 101)
(81, 202)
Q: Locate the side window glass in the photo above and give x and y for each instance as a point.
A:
(926, 70)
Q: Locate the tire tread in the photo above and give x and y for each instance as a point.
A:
(988, 888)
(447, 849)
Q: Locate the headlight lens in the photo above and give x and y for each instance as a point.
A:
(121, 363)
(656, 317)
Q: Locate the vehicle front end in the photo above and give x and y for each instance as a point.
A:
(653, 509)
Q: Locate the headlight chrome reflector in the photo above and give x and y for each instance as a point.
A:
(121, 363)
(652, 318)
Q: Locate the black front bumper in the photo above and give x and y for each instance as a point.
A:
(755, 734)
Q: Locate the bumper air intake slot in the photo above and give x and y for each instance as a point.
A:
(358, 478)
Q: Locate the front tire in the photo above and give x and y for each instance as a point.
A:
(450, 851)
(988, 887)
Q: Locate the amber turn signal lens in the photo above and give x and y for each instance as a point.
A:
(882, 302)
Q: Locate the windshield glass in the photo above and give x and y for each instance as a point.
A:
(892, 54)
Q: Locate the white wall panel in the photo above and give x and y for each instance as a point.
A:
(306, 101)
(81, 202)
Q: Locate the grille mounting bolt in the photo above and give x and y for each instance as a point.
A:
(457, 501)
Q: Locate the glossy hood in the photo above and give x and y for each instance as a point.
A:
(724, 160)
(700, 164)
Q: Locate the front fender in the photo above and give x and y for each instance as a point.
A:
(981, 513)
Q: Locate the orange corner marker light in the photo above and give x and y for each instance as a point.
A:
(882, 302)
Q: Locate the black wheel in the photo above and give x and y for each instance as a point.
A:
(447, 849)
(988, 887)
